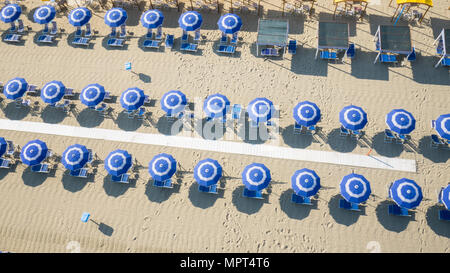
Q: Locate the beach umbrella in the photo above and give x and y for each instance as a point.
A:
(152, 18)
(118, 162)
(75, 157)
(173, 102)
(256, 176)
(445, 196)
(400, 121)
(132, 98)
(190, 20)
(3, 146)
(10, 13)
(92, 94)
(305, 182)
(443, 126)
(207, 172)
(306, 113)
(406, 193)
(44, 14)
(15, 88)
(229, 23)
(355, 188)
(162, 167)
(80, 16)
(353, 117)
(34, 152)
(260, 110)
(53, 92)
(115, 17)
(216, 106)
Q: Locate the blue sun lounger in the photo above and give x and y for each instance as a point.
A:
(344, 204)
(350, 52)
(223, 39)
(398, 211)
(388, 58)
(80, 41)
(388, 136)
(189, 47)
(121, 178)
(297, 199)
(115, 42)
(113, 32)
(269, 52)
(169, 40)
(226, 49)
(21, 27)
(252, 194)
(197, 35)
(54, 29)
(88, 32)
(328, 55)
(237, 109)
(79, 173)
(4, 163)
(48, 39)
(344, 131)
(12, 38)
(234, 39)
(210, 189)
(163, 184)
(158, 33)
(292, 47)
(40, 168)
(11, 147)
(436, 141)
(151, 43)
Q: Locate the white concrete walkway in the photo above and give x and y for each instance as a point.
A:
(263, 150)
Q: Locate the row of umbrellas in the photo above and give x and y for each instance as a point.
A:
(354, 188)
(115, 17)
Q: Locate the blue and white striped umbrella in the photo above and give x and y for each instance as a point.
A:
(190, 21)
(400, 121)
(445, 197)
(115, 17)
(118, 162)
(216, 105)
(353, 117)
(44, 14)
(305, 182)
(132, 98)
(75, 157)
(92, 94)
(80, 16)
(355, 188)
(34, 152)
(443, 126)
(10, 13)
(207, 172)
(53, 92)
(152, 18)
(173, 102)
(229, 23)
(162, 167)
(15, 88)
(406, 193)
(256, 176)
(260, 110)
(306, 113)
(3, 146)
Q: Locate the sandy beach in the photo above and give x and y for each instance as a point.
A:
(41, 213)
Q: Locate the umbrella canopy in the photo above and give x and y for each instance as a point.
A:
(400, 121)
(190, 20)
(260, 109)
(3, 146)
(229, 23)
(15, 88)
(353, 117)
(173, 102)
(80, 16)
(44, 14)
(406, 193)
(306, 113)
(53, 92)
(445, 197)
(75, 157)
(132, 98)
(10, 13)
(216, 105)
(305, 182)
(207, 172)
(115, 17)
(152, 18)
(92, 94)
(162, 167)
(34, 152)
(118, 162)
(256, 176)
(443, 126)
(355, 188)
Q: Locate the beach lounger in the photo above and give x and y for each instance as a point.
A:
(107, 96)
(197, 35)
(355, 133)
(123, 31)
(169, 40)
(32, 89)
(223, 39)
(388, 58)
(252, 194)
(297, 199)
(21, 27)
(184, 37)
(350, 52)
(436, 141)
(163, 184)
(226, 49)
(88, 32)
(40, 168)
(269, 52)
(12, 38)
(54, 29)
(444, 215)
(141, 113)
(234, 39)
(149, 34)
(210, 189)
(4, 163)
(328, 55)
(11, 147)
(433, 123)
(401, 138)
(45, 30)
(412, 56)
(189, 47)
(69, 93)
(297, 128)
(292, 47)
(121, 178)
(388, 136)
(151, 43)
(80, 41)
(158, 33)
(79, 173)
(113, 32)
(26, 102)
(398, 211)
(78, 32)
(115, 42)
(45, 39)
(344, 204)
(236, 112)
(13, 27)
(445, 62)
(344, 131)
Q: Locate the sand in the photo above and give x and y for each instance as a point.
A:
(41, 213)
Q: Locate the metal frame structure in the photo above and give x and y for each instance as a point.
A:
(284, 45)
(444, 53)
(377, 36)
(330, 47)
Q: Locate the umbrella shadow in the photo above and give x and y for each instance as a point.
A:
(296, 141)
(52, 114)
(14, 113)
(89, 118)
(390, 222)
(386, 149)
(340, 143)
(114, 189)
(210, 129)
(33, 179)
(167, 127)
(73, 184)
(441, 228)
(342, 216)
(436, 155)
(157, 194)
(244, 204)
(292, 210)
(128, 124)
(200, 199)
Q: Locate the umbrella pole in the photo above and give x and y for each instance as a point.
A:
(151, 4)
(390, 3)
(218, 10)
(259, 2)
(192, 7)
(178, 5)
(334, 14)
(420, 21)
(284, 1)
(394, 13)
(231, 6)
